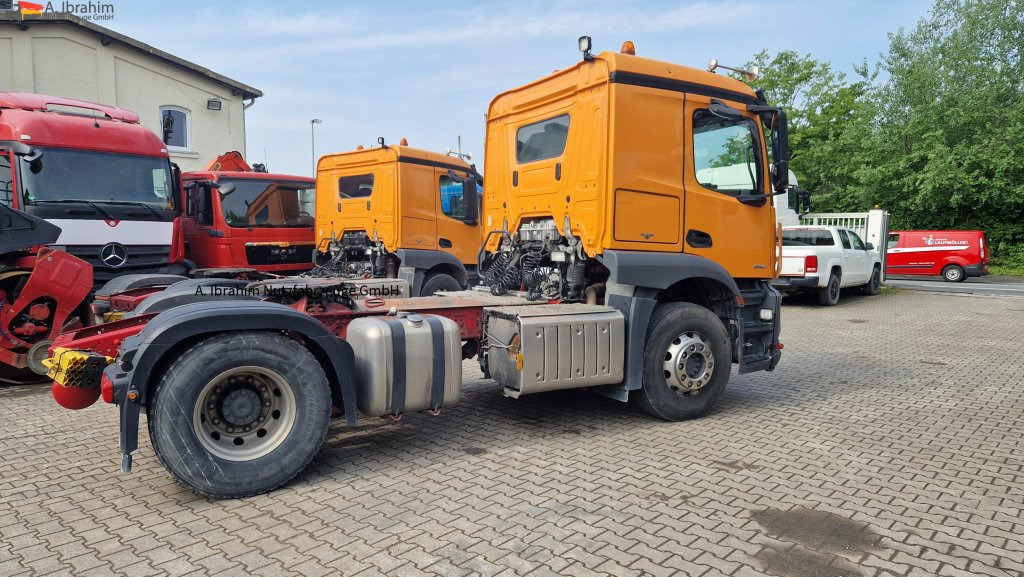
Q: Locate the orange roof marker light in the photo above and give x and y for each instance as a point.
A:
(403, 142)
(359, 147)
(628, 48)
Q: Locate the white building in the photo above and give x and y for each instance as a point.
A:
(63, 55)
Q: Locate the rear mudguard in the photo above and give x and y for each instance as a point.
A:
(132, 374)
(192, 291)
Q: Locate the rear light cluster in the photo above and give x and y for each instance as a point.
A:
(811, 263)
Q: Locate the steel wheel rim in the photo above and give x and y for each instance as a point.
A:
(244, 413)
(953, 273)
(833, 290)
(689, 363)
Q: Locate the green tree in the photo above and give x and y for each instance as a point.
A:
(827, 116)
(934, 132)
(949, 152)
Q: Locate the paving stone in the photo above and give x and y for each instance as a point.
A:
(887, 442)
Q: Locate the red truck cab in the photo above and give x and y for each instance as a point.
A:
(954, 254)
(242, 218)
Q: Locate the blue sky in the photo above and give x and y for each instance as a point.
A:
(427, 70)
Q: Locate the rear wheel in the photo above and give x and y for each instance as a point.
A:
(954, 273)
(439, 282)
(687, 362)
(239, 414)
(828, 295)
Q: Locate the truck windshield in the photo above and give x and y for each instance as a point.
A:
(98, 177)
(268, 203)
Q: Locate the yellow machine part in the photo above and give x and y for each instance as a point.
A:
(71, 368)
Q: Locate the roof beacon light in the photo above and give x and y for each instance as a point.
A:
(585, 46)
(749, 75)
(403, 142)
(628, 48)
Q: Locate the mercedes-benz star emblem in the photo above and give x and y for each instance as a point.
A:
(114, 255)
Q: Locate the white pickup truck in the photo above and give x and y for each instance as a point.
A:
(825, 259)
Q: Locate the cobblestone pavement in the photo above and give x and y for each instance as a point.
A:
(890, 441)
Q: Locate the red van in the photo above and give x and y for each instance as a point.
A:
(954, 254)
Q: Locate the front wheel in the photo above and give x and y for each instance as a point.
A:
(687, 360)
(954, 273)
(239, 414)
(439, 282)
(874, 285)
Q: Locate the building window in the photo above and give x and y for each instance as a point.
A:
(176, 128)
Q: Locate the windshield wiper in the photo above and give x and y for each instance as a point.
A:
(91, 204)
(134, 203)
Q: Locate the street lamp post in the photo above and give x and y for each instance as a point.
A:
(312, 141)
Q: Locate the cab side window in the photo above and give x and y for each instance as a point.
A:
(359, 186)
(452, 198)
(542, 140)
(6, 179)
(894, 239)
(858, 244)
(844, 239)
(725, 154)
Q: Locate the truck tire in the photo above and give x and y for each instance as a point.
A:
(874, 285)
(954, 273)
(439, 282)
(239, 414)
(687, 361)
(828, 295)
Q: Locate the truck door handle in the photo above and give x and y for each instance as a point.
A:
(444, 243)
(515, 178)
(558, 171)
(698, 238)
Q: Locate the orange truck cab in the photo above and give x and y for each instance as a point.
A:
(238, 217)
(398, 212)
(954, 254)
(644, 186)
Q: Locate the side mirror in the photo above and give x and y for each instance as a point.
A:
(780, 152)
(869, 246)
(471, 201)
(33, 156)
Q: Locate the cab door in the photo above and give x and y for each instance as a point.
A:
(453, 234)
(724, 162)
(197, 224)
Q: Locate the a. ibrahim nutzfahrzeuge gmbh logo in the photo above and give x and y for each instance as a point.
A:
(113, 255)
(84, 10)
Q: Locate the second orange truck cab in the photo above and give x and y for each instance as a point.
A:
(398, 212)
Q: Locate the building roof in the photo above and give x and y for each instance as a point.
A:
(108, 36)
